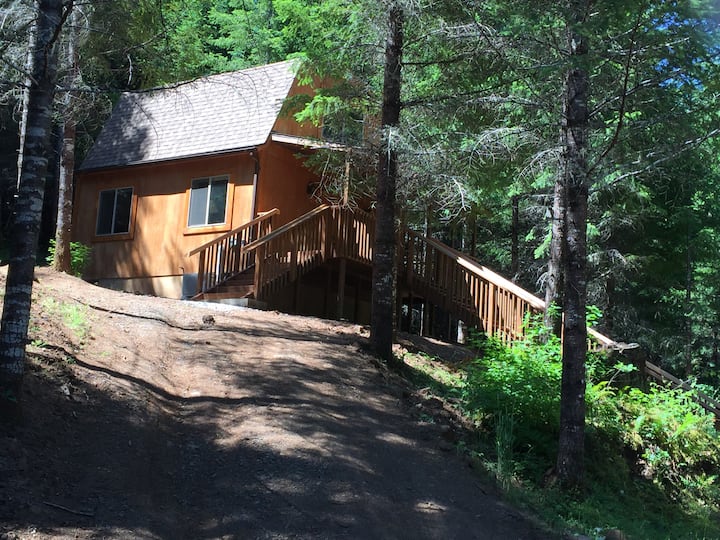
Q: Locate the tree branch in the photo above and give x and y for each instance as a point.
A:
(623, 99)
(687, 145)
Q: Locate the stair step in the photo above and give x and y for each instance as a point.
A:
(242, 278)
(224, 295)
(235, 288)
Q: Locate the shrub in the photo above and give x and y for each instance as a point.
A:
(675, 439)
(519, 386)
(79, 256)
(668, 437)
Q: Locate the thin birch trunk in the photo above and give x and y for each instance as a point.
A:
(28, 207)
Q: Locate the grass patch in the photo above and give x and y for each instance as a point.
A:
(653, 458)
(74, 316)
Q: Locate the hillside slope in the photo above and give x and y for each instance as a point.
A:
(153, 418)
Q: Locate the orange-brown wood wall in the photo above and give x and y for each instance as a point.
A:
(160, 238)
(286, 122)
(283, 183)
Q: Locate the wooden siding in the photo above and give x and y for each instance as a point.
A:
(160, 238)
(283, 183)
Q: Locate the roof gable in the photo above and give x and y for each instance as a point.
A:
(210, 115)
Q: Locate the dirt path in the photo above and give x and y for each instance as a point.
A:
(176, 420)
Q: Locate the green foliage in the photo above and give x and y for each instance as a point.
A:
(523, 381)
(504, 444)
(675, 439)
(79, 256)
(8, 395)
(74, 316)
(39, 343)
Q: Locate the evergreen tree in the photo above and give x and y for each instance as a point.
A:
(382, 320)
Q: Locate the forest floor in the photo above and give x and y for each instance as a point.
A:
(151, 418)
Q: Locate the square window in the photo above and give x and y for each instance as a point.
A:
(208, 201)
(114, 211)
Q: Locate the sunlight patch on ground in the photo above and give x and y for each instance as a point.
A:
(430, 507)
(393, 438)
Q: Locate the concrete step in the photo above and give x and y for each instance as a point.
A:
(239, 302)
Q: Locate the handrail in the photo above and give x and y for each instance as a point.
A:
(482, 271)
(284, 228)
(701, 398)
(223, 257)
(477, 292)
(262, 217)
(326, 232)
(537, 303)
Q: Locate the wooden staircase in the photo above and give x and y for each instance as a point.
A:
(224, 263)
(254, 261)
(239, 286)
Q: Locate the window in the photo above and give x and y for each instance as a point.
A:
(208, 200)
(114, 209)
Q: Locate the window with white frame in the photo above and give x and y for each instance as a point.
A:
(114, 211)
(208, 201)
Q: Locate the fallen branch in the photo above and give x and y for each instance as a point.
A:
(69, 510)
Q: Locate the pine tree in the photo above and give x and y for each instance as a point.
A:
(383, 282)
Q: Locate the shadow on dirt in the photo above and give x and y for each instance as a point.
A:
(271, 444)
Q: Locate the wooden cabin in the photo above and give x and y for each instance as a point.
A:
(198, 190)
(177, 167)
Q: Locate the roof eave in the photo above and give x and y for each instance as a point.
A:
(306, 142)
(167, 160)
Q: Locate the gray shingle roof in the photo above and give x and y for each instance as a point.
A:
(210, 115)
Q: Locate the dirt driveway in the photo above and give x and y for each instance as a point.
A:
(155, 418)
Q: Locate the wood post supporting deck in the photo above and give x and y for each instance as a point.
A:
(341, 289)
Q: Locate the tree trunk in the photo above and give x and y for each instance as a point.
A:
(62, 261)
(571, 448)
(687, 307)
(515, 238)
(554, 281)
(383, 281)
(28, 207)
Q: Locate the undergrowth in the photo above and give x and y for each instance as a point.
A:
(79, 256)
(653, 456)
(74, 316)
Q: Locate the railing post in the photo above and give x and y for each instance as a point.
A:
(201, 273)
(492, 306)
(259, 263)
(293, 256)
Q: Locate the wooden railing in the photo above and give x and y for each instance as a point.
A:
(701, 398)
(472, 292)
(307, 242)
(224, 257)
